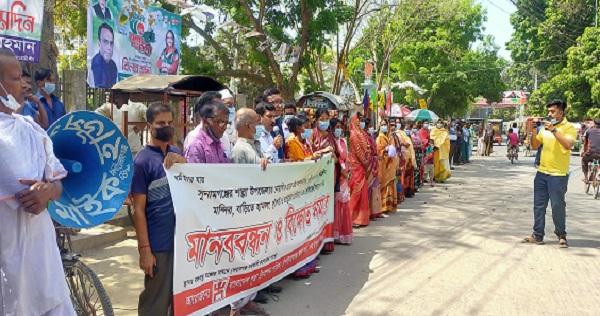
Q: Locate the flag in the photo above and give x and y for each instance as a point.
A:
(381, 101)
(373, 99)
(366, 101)
(388, 101)
(368, 69)
(423, 104)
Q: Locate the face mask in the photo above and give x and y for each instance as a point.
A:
(287, 118)
(323, 126)
(407, 132)
(277, 118)
(384, 129)
(415, 131)
(164, 134)
(362, 125)
(553, 121)
(371, 130)
(231, 114)
(10, 101)
(49, 88)
(337, 132)
(306, 133)
(210, 132)
(398, 126)
(440, 126)
(426, 126)
(259, 132)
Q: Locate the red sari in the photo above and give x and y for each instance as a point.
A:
(342, 220)
(360, 161)
(320, 142)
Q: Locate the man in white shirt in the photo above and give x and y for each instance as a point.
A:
(136, 112)
(32, 280)
(229, 101)
(269, 145)
(204, 98)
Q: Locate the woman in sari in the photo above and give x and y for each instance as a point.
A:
(342, 219)
(387, 167)
(168, 62)
(418, 146)
(441, 138)
(322, 139)
(373, 173)
(298, 149)
(360, 162)
(410, 163)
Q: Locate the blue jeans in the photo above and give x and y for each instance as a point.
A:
(552, 188)
(538, 155)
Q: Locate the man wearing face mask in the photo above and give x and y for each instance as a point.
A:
(205, 98)
(154, 212)
(552, 178)
(31, 272)
(289, 111)
(207, 146)
(229, 101)
(55, 109)
(273, 96)
(269, 145)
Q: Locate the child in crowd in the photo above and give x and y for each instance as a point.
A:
(429, 167)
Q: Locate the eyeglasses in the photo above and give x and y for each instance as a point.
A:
(218, 122)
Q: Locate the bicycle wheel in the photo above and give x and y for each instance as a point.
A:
(595, 182)
(87, 293)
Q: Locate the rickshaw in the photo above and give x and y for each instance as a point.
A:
(530, 142)
(497, 126)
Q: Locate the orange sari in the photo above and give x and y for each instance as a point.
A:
(360, 154)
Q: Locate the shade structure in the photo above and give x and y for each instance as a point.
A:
(422, 115)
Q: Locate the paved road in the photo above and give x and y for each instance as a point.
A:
(453, 249)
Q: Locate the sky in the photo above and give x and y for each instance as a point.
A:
(498, 23)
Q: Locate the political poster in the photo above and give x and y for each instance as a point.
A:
(21, 28)
(236, 234)
(126, 38)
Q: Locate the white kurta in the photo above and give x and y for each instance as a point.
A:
(32, 280)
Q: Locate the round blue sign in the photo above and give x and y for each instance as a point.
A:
(100, 168)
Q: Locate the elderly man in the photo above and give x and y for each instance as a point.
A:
(32, 281)
(247, 150)
(229, 101)
(207, 146)
(205, 98)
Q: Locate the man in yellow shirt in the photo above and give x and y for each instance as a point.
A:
(551, 181)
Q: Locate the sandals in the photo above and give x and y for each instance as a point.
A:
(562, 242)
(533, 240)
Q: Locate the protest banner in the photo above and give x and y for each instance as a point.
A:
(126, 38)
(21, 28)
(236, 234)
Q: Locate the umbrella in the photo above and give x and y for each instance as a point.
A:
(422, 115)
(398, 110)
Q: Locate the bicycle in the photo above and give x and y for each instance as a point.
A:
(593, 181)
(87, 293)
(512, 154)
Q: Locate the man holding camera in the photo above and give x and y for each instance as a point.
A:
(551, 180)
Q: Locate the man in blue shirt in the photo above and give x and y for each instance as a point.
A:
(55, 109)
(103, 67)
(154, 214)
(33, 107)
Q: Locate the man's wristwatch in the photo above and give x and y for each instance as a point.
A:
(554, 130)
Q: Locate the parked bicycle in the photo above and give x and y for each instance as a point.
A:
(87, 293)
(593, 181)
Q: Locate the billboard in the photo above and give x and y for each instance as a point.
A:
(21, 28)
(125, 39)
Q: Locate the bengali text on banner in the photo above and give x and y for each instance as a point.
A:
(240, 228)
(21, 28)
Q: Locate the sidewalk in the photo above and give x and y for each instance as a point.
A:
(451, 250)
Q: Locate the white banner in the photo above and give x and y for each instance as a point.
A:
(240, 228)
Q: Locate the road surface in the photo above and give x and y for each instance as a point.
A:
(452, 250)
